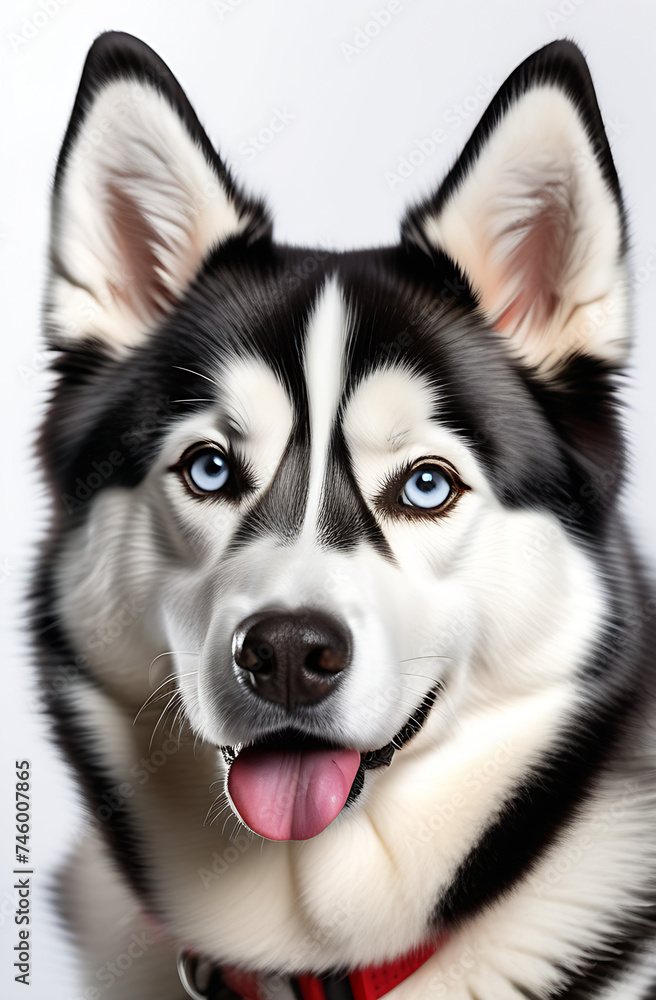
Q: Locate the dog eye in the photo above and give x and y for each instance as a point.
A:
(208, 471)
(428, 488)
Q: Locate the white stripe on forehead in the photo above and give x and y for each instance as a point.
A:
(324, 355)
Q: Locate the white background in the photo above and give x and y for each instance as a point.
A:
(324, 176)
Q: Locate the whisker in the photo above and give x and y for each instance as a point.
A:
(152, 700)
(432, 656)
(174, 652)
(175, 695)
(175, 719)
(216, 810)
(199, 374)
(164, 715)
(183, 725)
(239, 825)
(42, 631)
(208, 816)
(171, 652)
(412, 673)
(239, 828)
(152, 697)
(171, 679)
(196, 399)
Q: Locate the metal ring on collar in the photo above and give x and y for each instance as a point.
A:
(188, 964)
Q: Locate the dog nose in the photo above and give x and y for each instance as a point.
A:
(293, 658)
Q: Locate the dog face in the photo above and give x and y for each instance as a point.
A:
(357, 500)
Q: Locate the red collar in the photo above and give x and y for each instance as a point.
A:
(365, 984)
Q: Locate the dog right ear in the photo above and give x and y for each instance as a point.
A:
(140, 199)
(532, 215)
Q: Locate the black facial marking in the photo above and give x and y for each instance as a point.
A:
(280, 511)
(345, 520)
(541, 445)
(551, 444)
(539, 440)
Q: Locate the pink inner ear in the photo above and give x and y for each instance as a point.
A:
(540, 262)
(138, 283)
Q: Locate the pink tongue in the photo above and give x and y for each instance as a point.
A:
(291, 794)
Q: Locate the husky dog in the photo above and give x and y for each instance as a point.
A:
(338, 622)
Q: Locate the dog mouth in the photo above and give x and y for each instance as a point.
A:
(290, 786)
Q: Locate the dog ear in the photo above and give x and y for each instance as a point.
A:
(532, 214)
(140, 199)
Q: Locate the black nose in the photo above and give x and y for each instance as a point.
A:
(293, 658)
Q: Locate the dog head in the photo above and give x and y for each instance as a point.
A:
(341, 497)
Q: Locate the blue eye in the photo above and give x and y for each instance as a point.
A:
(427, 488)
(208, 471)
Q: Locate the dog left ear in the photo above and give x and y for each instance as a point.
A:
(532, 214)
(140, 200)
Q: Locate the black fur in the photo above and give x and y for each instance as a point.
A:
(561, 64)
(546, 444)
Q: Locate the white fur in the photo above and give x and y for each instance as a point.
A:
(123, 951)
(634, 984)
(335, 898)
(540, 146)
(498, 607)
(134, 142)
(323, 372)
(468, 577)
